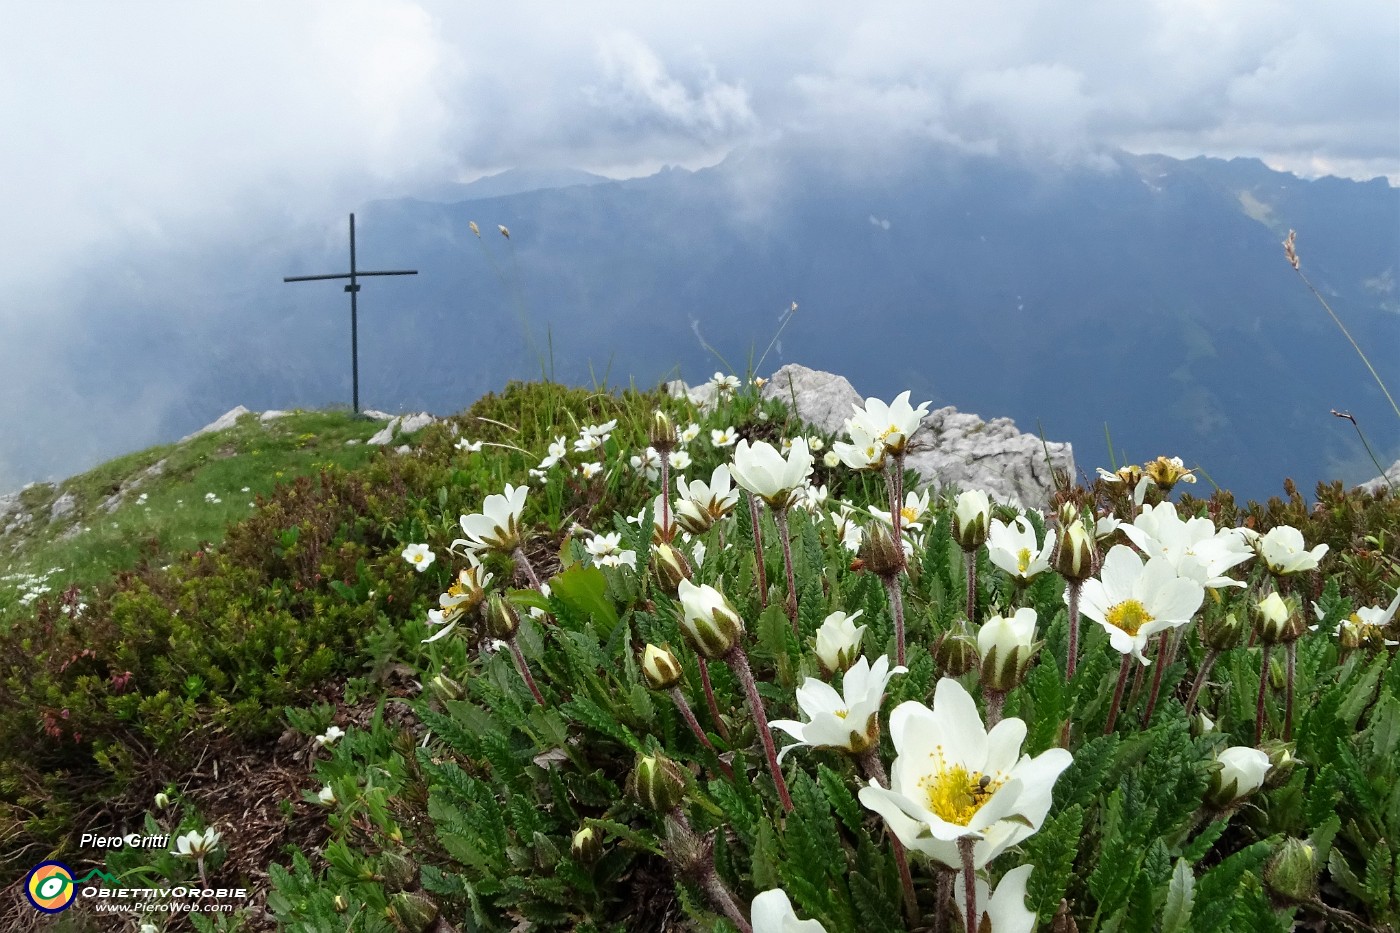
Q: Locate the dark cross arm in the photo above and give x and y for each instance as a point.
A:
(345, 275)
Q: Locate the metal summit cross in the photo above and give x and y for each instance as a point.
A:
(354, 289)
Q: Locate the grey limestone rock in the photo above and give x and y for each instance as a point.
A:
(63, 505)
(402, 424)
(950, 447)
(222, 423)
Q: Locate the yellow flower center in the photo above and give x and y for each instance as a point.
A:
(955, 794)
(840, 713)
(909, 515)
(1023, 559)
(1129, 615)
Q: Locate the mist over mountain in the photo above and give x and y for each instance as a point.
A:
(1144, 292)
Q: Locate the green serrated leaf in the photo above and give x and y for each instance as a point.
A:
(1181, 895)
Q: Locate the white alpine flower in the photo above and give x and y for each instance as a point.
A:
(497, 526)
(890, 425)
(772, 913)
(195, 844)
(1134, 601)
(420, 556)
(723, 437)
(1013, 548)
(953, 779)
(838, 640)
(1194, 547)
(1284, 550)
(849, 720)
(1242, 772)
(761, 470)
(607, 551)
(557, 451)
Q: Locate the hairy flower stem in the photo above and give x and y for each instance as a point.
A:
(1118, 695)
(897, 609)
(781, 516)
(1206, 664)
(524, 563)
(1263, 685)
(665, 456)
(720, 727)
(996, 700)
(894, 486)
(946, 877)
(758, 552)
(1073, 586)
(875, 769)
(1290, 653)
(970, 558)
(1162, 662)
(740, 663)
(689, 716)
(965, 845)
(525, 670)
(695, 858)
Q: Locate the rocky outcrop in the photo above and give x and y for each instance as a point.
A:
(402, 424)
(222, 423)
(950, 448)
(114, 501)
(1390, 479)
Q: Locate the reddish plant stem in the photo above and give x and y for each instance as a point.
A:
(665, 456)
(525, 670)
(1117, 695)
(1259, 705)
(896, 596)
(1291, 665)
(1162, 662)
(781, 516)
(524, 563)
(740, 663)
(1074, 586)
(720, 727)
(965, 845)
(872, 766)
(970, 558)
(689, 716)
(996, 700)
(758, 551)
(1206, 664)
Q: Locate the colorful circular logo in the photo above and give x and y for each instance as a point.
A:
(50, 887)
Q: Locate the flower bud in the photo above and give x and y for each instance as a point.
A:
(1201, 724)
(411, 912)
(880, 553)
(1007, 647)
(663, 432)
(708, 620)
(340, 905)
(1278, 620)
(660, 668)
(502, 621)
(446, 688)
(1281, 761)
(1291, 872)
(587, 846)
(838, 641)
(657, 783)
(1074, 553)
(670, 567)
(972, 515)
(1242, 772)
(397, 870)
(1222, 632)
(162, 800)
(955, 653)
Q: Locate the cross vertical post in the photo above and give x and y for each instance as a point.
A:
(354, 289)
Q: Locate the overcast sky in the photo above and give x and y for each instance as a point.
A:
(135, 119)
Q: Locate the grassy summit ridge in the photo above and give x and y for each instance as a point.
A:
(211, 667)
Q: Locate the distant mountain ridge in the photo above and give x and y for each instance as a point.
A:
(1144, 293)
